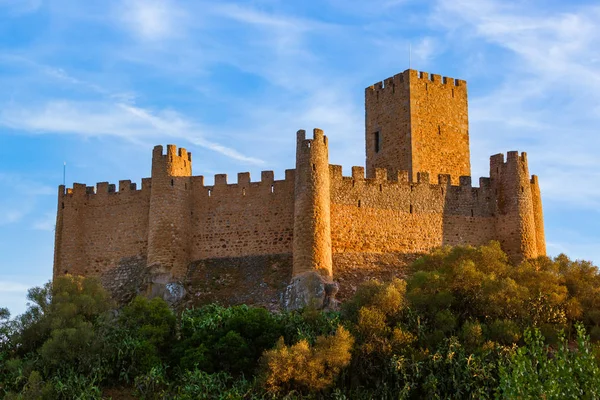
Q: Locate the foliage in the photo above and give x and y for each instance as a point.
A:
(139, 338)
(466, 323)
(215, 338)
(199, 385)
(536, 371)
(305, 367)
(455, 285)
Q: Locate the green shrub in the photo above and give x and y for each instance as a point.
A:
(215, 338)
(537, 371)
(199, 385)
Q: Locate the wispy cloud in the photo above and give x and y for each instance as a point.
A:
(152, 19)
(549, 82)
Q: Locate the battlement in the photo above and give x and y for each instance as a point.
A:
(410, 74)
(103, 188)
(318, 138)
(381, 176)
(172, 152)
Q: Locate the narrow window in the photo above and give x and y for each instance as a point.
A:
(522, 189)
(308, 144)
(172, 182)
(442, 191)
(243, 191)
(472, 212)
(272, 188)
(314, 167)
(452, 93)
(359, 203)
(377, 142)
(186, 186)
(381, 188)
(411, 209)
(63, 205)
(209, 192)
(439, 130)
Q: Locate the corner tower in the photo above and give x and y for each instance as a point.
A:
(418, 122)
(170, 201)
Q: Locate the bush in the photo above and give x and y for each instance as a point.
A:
(536, 371)
(215, 338)
(304, 367)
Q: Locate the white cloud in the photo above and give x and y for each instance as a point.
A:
(153, 19)
(100, 118)
(548, 88)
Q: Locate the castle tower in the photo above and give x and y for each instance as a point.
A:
(519, 225)
(312, 226)
(418, 122)
(169, 228)
(312, 274)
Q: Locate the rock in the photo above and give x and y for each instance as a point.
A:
(162, 285)
(311, 289)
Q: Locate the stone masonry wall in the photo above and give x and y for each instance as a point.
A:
(243, 219)
(97, 228)
(380, 218)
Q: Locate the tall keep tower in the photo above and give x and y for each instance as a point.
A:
(418, 122)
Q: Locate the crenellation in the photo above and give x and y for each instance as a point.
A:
(381, 174)
(464, 181)
(435, 78)
(243, 178)
(79, 189)
(403, 176)
(512, 156)
(290, 175)
(358, 173)
(444, 179)
(267, 177)
(335, 172)
(220, 180)
(414, 193)
(124, 185)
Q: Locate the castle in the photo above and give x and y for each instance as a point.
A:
(294, 241)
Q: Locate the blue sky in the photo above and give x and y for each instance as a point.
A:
(98, 83)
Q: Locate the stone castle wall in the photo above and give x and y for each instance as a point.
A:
(244, 242)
